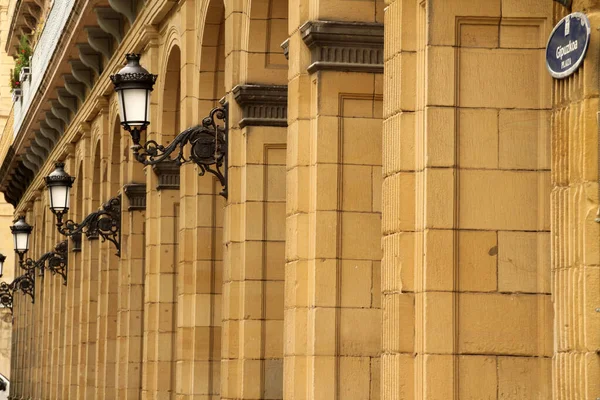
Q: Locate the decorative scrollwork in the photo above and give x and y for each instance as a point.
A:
(208, 147)
(57, 263)
(25, 283)
(105, 223)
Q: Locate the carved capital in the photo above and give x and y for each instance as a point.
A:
(168, 175)
(262, 105)
(136, 193)
(344, 46)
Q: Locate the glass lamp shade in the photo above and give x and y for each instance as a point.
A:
(59, 185)
(21, 231)
(133, 84)
(2, 259)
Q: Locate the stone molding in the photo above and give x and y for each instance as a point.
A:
(136, 193)
(344, 46)
(262, 105)
(168, 175)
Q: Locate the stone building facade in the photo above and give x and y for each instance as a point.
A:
(410, 213)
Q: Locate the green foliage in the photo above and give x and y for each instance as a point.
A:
(21, 60)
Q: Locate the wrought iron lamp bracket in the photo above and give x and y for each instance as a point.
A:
(55, 261)
(208, 146)
(106, 223)
(25, 283)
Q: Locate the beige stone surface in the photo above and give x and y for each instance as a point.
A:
(425, 233)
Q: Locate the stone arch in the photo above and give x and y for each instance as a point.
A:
(115, 158)
(170, 95)
(212, 57)
(96, 176)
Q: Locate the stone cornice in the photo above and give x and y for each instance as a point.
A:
(344, 46)
(136, 193)
(262, 105)
(168, 175)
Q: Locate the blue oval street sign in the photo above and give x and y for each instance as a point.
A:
(567, 45)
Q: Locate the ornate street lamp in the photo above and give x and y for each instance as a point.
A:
(105, 222)
(21, 231)
(59, 185)
(2, 259)
(208, 141)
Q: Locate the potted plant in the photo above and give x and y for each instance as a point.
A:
(23, 59)
(15, 85)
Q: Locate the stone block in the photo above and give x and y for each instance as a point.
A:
(476, 33)
(503, 78)
(355, 179)
(361, 10)
(438, 268)
(440, 198)
(437, 321)
(361, 236)
(524, 141)
(477, 261)
(477, 378)
(438, 376)
(439, 137)
(398, 323)
(441, 63)
(503, 200)
(399, 209)
(273, 378)
(357, 336)
(528, 35)
(505, 324)
(273, 339)
(398, 263)
(398, 368)
(442, 25)
(321, 331)
(524, 262)
(478, 143)
(361, 143)
(524, 378)
(355, 377)
(356, 283)
(399, 143)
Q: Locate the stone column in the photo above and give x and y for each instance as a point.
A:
(162, 218)
(333, 241)
(254, 233)
(575, 230)
(73, 296)
(466, 277)
(200, 263)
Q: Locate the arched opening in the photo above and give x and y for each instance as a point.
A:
(116, 160)
(212, 58)
(171, 96)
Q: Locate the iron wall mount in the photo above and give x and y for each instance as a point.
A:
(106, 223)
(208, 143)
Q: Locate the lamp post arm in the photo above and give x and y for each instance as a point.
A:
(106, 222)
(208, 146)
